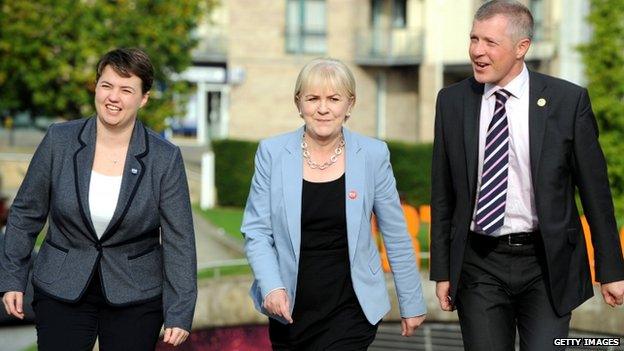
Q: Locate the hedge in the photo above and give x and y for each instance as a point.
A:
(234, 165)
(234, 168)
(411, 164)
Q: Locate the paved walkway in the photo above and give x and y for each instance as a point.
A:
(17, 338)
(210, 244)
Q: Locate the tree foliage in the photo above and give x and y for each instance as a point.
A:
(49, 49)
(603, 56)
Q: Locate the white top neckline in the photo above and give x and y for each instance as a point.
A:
(103, 196)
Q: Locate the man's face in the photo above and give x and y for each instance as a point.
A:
(496, 57)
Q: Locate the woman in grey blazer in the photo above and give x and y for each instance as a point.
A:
(119, 256)
(307, 225)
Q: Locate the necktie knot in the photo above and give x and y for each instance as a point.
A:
(502, 95)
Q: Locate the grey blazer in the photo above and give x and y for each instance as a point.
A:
(146, 253)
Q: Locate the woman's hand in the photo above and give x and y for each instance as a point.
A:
(276, 303)
(13, 301)
(175, 336)
(409, 325)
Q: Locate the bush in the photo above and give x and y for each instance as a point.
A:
(603, 57)
(234, 166)
(411, 164)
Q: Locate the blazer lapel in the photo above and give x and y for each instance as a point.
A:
(472, 112)
(355, 172)
(133, 172)
(537, 120)
(292, 179)
(83, 163)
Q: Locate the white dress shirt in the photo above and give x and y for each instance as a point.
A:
(103, 195)
(520, 213)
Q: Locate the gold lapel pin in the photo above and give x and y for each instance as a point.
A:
(541, 102)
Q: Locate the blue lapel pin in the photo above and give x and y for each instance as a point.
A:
(134, 171)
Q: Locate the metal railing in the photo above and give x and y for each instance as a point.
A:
(389, 46)
(217, 267)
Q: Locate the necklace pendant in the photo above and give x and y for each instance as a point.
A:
(333, 158)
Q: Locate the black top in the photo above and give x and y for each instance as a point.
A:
(323, 216)
(326, 307)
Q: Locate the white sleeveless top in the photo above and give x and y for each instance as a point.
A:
(103, 195)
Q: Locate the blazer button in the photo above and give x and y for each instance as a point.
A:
(98, 246)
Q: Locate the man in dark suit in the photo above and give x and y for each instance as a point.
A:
(511, 146)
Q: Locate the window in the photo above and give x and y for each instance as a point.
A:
(399, 9)
(381, 10)
(306, 23)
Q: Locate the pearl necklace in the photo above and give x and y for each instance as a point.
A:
(326, 164)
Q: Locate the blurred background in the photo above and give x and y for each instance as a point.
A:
(225, 77)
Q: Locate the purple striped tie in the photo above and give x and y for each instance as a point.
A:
(493, 192)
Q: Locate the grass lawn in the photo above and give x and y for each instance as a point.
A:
(228, 218)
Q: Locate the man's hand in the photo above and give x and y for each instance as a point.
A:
(613, 293)
(442, 292)
(276, 303)
(175, 336)
(409, 325)
(13, 301)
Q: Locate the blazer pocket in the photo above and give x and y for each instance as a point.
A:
(452, 233)
(50, 260)
(573, 234)
(146, 268)
(374, 263)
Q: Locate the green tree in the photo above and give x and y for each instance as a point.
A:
(603, 56)
(49, 49)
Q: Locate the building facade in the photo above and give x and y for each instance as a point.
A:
(402, 52)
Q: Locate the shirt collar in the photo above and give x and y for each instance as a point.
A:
(516, 87)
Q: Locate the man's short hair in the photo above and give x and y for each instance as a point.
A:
(127, 62)
(518, 15)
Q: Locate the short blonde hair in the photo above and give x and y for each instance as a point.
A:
(520, 20)
(327, 72)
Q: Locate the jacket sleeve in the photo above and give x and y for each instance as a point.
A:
(257, 229)
(178, 243)
(590, 174)
(390, 218)
(442, 201)
(27, 217)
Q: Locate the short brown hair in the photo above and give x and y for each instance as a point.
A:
(519, 16)
(127, 62)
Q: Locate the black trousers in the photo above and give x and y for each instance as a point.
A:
(65, 326)
(502, 287)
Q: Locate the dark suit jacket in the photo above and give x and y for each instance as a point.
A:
(564, 154)
(148, 249)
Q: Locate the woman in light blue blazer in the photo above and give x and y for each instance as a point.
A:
(307, 225)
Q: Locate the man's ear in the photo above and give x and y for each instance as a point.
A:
(522, 47)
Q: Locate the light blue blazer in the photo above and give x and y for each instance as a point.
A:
(272, 224)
